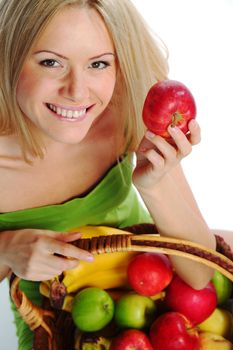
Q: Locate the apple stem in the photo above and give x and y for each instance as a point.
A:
(176, 118)
(160, 295)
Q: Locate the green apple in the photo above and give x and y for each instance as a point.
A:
(220, 322)
(133, 310)
(223, 287)
(92, 309)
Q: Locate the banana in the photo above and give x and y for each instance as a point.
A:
(107, 271)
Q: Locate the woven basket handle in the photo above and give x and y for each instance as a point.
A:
(156, 243)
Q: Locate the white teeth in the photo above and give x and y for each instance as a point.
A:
(63, 112)
(67, 113)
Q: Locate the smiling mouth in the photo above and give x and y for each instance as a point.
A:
(68, 113)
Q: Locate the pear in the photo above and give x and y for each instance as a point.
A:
(210, 341)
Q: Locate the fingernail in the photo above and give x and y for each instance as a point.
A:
(90, 258)
(173, 128)
(149, 134)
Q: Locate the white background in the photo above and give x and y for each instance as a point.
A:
(199, 37)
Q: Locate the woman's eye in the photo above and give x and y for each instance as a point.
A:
(50, 63)
(100, 65)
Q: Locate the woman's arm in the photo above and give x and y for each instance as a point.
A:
(160, 181)
(4, 272)
(177, 215)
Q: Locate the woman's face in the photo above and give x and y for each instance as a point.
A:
(68, 79)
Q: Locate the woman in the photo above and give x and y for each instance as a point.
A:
(74, 76)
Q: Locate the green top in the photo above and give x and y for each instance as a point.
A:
(113, 202)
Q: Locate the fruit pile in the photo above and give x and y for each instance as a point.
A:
(157, 311)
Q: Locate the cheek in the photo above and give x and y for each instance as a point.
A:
(27, 86)
(107, 87)
(31, 85)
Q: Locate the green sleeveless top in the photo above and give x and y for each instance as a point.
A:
(113, 202)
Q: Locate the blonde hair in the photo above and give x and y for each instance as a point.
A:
(141, 57)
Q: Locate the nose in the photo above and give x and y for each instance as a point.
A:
(75, 86)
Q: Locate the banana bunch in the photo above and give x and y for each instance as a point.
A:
(107, 271)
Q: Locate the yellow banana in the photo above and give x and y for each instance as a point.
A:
(107, 271)
(86, 273)
(103, 279)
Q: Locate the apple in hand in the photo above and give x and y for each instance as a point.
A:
(131, 339)
(133, 310)
(173, 331)
(223, 287)
(168, 102)
(149, 273)
(92, 309)
(196, 305)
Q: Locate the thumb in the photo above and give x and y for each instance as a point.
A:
(144, 145)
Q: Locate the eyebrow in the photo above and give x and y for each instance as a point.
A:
(59, 55)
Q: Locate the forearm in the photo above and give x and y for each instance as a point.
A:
(4, 272)
(175, 217)
(4, 269)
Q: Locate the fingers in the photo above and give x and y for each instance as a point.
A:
(58, 243)
(184, 147)
(171, 152)
(162, 152)
(61, 236)
(68, 250)
(68, 236)
(195, 132)
(46, 269)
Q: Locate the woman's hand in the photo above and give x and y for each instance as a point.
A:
(156, 157)
(38, 255)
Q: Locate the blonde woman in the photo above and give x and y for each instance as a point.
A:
(74, 76)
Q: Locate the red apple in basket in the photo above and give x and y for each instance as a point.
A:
(131, 339)
(149, 273)
(173, 331)
(168, 102)
(196, 305)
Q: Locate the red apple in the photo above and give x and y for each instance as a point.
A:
(196, 305)
(149, 273)
(168, 102)
(131, 339)
(173, 331)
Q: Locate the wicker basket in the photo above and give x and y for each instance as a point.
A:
(54, 329)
